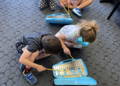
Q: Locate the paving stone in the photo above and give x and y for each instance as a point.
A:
(10, 83)
(3, 85)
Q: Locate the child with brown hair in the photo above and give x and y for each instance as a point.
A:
(77, 36)
(33, 47)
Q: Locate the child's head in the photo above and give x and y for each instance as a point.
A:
(51, 44)
(88, 30)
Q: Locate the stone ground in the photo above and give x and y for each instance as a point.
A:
(19, 17)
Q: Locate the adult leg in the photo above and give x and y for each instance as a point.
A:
(43, 4)
(85, 3)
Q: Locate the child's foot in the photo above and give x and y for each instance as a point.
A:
(30, 78)
(77, 11)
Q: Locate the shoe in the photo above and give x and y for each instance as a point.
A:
(30, 78)
(19, 46)
(21, 67)
(77, 11)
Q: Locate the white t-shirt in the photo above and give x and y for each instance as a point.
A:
(71, 33)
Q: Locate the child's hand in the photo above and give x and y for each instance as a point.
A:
(41, 68)
(67, 51)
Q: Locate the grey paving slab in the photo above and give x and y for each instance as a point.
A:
(19, 17)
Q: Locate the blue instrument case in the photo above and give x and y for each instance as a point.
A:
(72, 72)
(59, 18)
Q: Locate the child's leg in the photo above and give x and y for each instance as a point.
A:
(33, 57)
(85, 3)
(36, 55)
(27, 72)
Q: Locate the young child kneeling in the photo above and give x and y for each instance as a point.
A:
(36, 46)
(77, 36)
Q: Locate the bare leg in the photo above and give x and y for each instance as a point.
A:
(85, 3)
(35, 56)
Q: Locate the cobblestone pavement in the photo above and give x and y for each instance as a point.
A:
(18, 17)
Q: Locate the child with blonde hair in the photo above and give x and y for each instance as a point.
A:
(78, 35)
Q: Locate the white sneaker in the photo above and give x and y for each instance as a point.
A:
(77, 11)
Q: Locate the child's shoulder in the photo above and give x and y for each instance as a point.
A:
(69, 26)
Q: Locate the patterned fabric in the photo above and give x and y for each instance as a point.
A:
(43, 4)
(47, 3)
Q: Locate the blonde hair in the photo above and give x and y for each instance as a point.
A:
(87, 24)
(88, 30)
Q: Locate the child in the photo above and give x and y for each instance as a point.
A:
(77, 36)
(76, 5)
(36, 46)
(47, 3)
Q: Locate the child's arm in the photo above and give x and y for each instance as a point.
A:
(25, 59)
(70, 43)
(62, 40)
